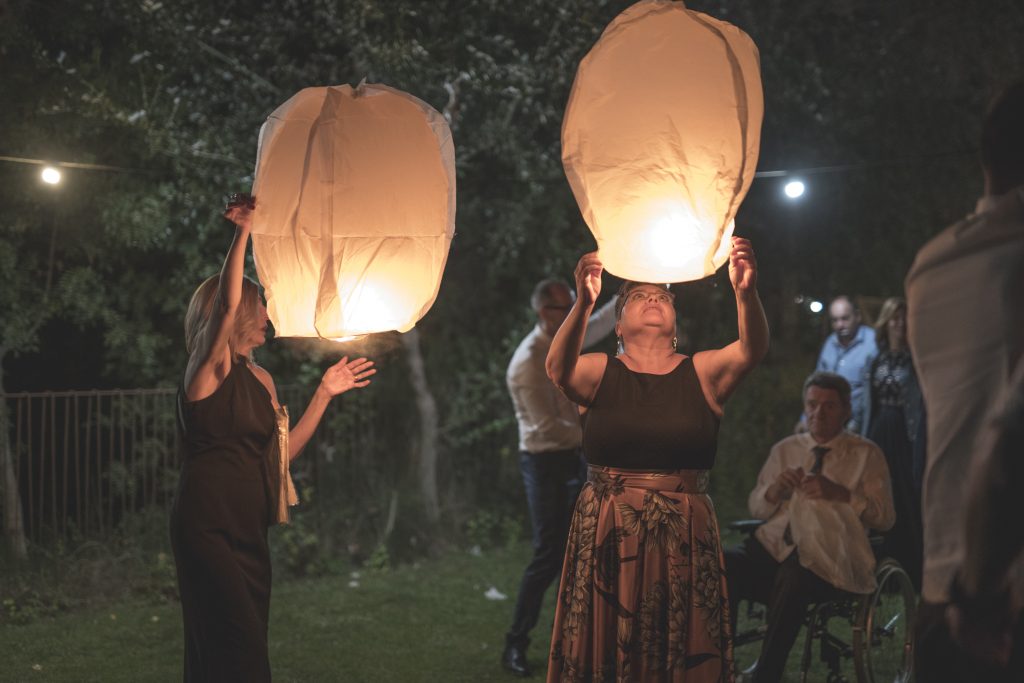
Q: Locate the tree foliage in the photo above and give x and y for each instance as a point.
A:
(892, 92)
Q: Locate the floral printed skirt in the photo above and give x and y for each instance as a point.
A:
(643, 594)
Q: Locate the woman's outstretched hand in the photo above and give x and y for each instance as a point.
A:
(742, 265)
(588, 278)
(347, 374)
(239, 210)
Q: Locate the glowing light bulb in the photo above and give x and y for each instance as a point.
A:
(50, 175)
(794, 189)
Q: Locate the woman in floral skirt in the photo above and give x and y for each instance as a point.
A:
(642, 596)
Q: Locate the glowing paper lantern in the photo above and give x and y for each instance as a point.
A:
(660, 140)
(355, 192)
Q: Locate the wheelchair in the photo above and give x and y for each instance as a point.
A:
(875, 631)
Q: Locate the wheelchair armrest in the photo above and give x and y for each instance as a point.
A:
(747, 526)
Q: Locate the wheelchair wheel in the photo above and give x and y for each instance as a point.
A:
(750, 632)
(883, 634)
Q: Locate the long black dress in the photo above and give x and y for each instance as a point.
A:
(219, 530)
(894, 413)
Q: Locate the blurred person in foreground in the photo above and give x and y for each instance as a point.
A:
(643, 594)
(550, 459)
(234, 438)
(965, 304)
(986, 612)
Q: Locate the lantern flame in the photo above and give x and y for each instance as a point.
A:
(372, 306)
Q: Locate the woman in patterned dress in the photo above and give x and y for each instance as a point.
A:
(643, 594)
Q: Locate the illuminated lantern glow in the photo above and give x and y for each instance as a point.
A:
(660, 140)
(355, 211)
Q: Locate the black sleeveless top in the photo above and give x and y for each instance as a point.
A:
(227, 433)
(642, 421)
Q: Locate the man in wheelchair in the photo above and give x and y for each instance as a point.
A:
(820, 492)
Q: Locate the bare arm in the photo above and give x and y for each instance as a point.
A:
(578, 377)
(721, 370)
(338, 379)
(210, 361)
(536, 401)
(601, 323)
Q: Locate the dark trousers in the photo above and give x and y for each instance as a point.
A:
(552, 481)
(786, 588)
(937, 657)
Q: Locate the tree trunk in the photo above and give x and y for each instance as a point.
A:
(425, 447)
(14, 524)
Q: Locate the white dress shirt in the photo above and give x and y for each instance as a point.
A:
(832, 536)
(965, 326)
(548, 421)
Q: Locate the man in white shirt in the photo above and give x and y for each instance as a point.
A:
(820, 492)
(549, 455)
(965, 323)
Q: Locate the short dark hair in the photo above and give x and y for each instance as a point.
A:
(630, 285)
(829, 380)
(543, 292)
(1002, 137)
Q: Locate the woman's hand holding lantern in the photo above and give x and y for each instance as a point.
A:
(239, 210)
(742, 266)
(588, 278)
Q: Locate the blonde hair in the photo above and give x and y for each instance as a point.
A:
(890, 308)
(197, 316)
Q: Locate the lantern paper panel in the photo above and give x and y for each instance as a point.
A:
(660, 140)
(355, 211)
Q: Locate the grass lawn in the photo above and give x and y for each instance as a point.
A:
(429, 622)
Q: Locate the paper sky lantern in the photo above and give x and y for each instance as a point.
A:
(660, 140)
(355, 210)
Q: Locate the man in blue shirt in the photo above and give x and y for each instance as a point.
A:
(848, 351)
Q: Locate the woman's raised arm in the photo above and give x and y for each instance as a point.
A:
(578, 377)
(210, 360)
(720, 370)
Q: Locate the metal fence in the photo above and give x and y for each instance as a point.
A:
(84, 461)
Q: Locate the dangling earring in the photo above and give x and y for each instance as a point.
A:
(675, 343)
(621, 349)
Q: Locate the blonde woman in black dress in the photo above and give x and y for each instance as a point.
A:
(643, 594)
(229, 416)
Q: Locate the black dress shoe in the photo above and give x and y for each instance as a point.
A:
(514, 660)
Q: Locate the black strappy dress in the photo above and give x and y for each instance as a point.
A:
(219, 530)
